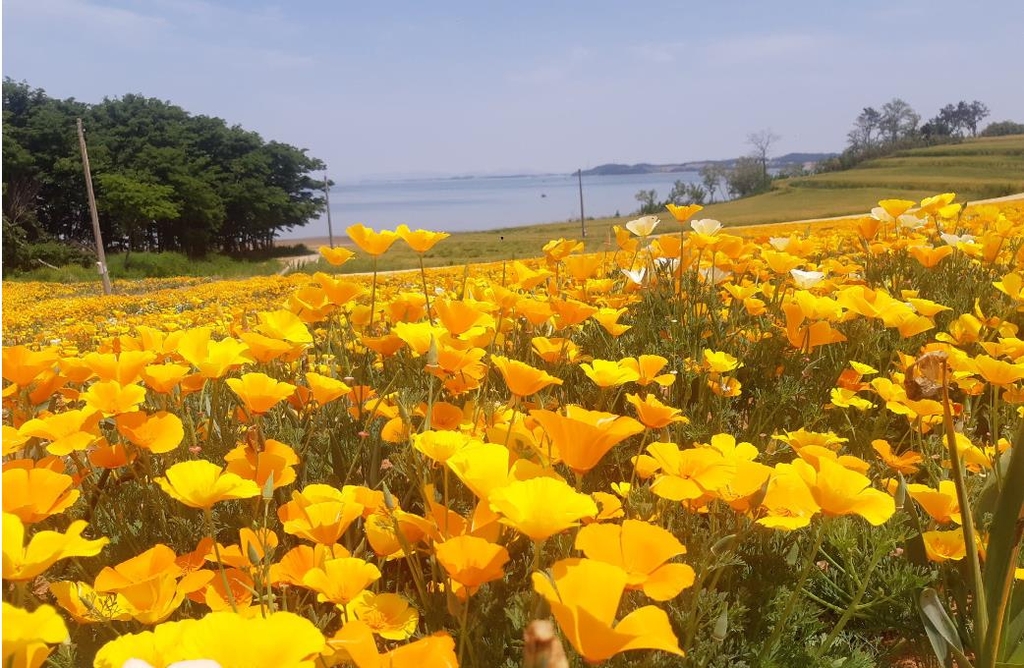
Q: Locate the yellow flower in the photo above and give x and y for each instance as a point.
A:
(420, 240)
(372, 243)
(441, 445)
(320, 513)
(653, 413)
(341, 580)
(213, 359)
(840, 491)
(719, 361)
(336, 256)
(68, 431)
(388, 615)
(584, 596)
(26, 635)
(683, 213)
(541, 507)
(201, 484)
(326, 389)
(109, 397)
(25, 562)
(606, 373)
(275, 459)
(259, 392)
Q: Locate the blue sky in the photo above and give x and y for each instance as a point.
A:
(480, 87)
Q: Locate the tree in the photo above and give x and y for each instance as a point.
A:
(762, 144)
(134, 204)
(746, 177)
(648, 201)
(898, 120)
(972, 114)
(863, 134)
(711, 176)
(687, 193)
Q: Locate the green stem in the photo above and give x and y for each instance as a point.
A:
(208, 514)
(373, 294)
(852, 608)
(970, 537)
(426, 296)
(780, 625)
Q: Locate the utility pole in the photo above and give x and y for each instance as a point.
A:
(102, 262)
(327, 198)
(583, 224)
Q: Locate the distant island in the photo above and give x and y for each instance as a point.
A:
(647, 168)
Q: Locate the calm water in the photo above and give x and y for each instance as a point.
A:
(483, 203)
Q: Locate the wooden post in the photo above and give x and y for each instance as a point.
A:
(583, 224)
(100, 254)
(327, 198)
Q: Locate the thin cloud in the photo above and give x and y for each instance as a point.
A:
(554, 70)
(86, 16)
(761, 48)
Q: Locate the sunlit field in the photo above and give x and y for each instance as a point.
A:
(784, 445)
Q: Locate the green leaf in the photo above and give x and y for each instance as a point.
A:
(940, 628)
(1003, 544)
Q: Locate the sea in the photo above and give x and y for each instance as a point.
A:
(464, 204)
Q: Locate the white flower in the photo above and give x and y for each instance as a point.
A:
(636, 276)
(956, 239)
(642, 227)
(707, 226)
(805, 280)
(714, 275)
(779, 243)
(910, 222)
(879, 213)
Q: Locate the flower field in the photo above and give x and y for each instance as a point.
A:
(789, 445)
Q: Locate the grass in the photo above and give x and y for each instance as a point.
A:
(154, 265)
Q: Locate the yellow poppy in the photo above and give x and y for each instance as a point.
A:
(420, 240)
(606, 373)
(371, 242)
(336, 256)
(541, 507)
(67, 431)
(341, 580)
(586, 613)
(157, 432)
(274, 458)
(839, 491)
(320, 513)
(27, 635)
(388, 615)
(110, 398)
(683, 213)
(944, 545)
(23, 562)
(580, 438)
(259, 392)
(653, 413)
(201, 484)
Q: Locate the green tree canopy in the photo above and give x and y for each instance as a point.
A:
(166, 180)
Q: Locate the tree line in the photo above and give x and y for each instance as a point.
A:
(165, 180)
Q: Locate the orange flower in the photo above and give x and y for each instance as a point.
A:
(944, 545)
(586, 613)
(37, 493)
(354, 642)
(21, 365)
(150, 586)
(647, 367)
(521, 378)
(320, 513)
(420, 240)
(643, 551)
(326, 389)
(472, 561)
(371, 242)
(275, 459)
(653, 413)
(941, 504)
(581, 437)
(541, 507)
(905, 463)
(259, 392)
(201, 484)
(158, 432)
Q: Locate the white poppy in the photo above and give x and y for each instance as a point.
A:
(805, 280)
(779, 243)
(642, 227)
(707, 226)
(636, 276)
